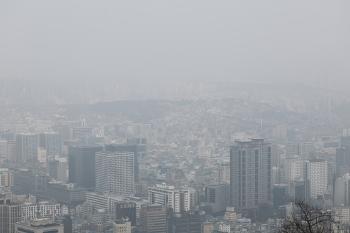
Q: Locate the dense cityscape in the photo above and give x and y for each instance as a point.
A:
(196, 166)
(174, 116)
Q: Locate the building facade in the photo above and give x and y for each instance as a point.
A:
(251, 170)
(115, 173)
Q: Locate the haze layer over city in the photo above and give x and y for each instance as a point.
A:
(174, 116)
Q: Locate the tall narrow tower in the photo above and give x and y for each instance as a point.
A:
(250, 171)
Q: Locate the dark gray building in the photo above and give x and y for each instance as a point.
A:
(250, 163)
(153, 219)
(81, 162)
(217, 196)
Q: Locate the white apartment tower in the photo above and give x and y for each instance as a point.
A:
(317, 177)
(115, 173)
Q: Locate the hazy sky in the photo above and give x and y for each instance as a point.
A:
(303, 40)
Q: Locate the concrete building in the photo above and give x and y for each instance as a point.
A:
(153, 219)
(81, 162)
(27, 145)
(218, 196)
(342, 190)
(179, 200)
(294, 168)
(6, 178)
(134, 147)
(343, 156)
(250, 174)
(317, 177)
(115, 173)
(44, 209)
(39, 226)
(10, 213)
(58, 168)
(122, 226)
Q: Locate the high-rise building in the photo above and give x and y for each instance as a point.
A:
(342, 191)
(81, 162)
(153, 219)
(11, 150)
(115, 172)
(27, 145)
(294, 168)
(3, 150)
(317, 177)
(10, 213)
(138, 150)
(39, 226)
(343, 157)
(179, 200)
(52, 143)
(250, 174)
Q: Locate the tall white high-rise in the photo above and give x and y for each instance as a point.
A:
(27, 147)
(317, 177)
(115, 172)
(179, 200)
(294, 168)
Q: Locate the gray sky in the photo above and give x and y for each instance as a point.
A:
(263, 40)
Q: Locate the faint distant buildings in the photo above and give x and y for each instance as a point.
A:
(115, 172)
(27, 148)
(224, 173)
(81, 161)
(51, 142)
(153, 219)
(3, 150)
(250, 174)
(302, 149)
(342, 190)
(317, 177)
(343, 156)
(82, 133)
(179, 200)
(58, 168)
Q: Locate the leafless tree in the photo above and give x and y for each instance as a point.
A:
(308, 219)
